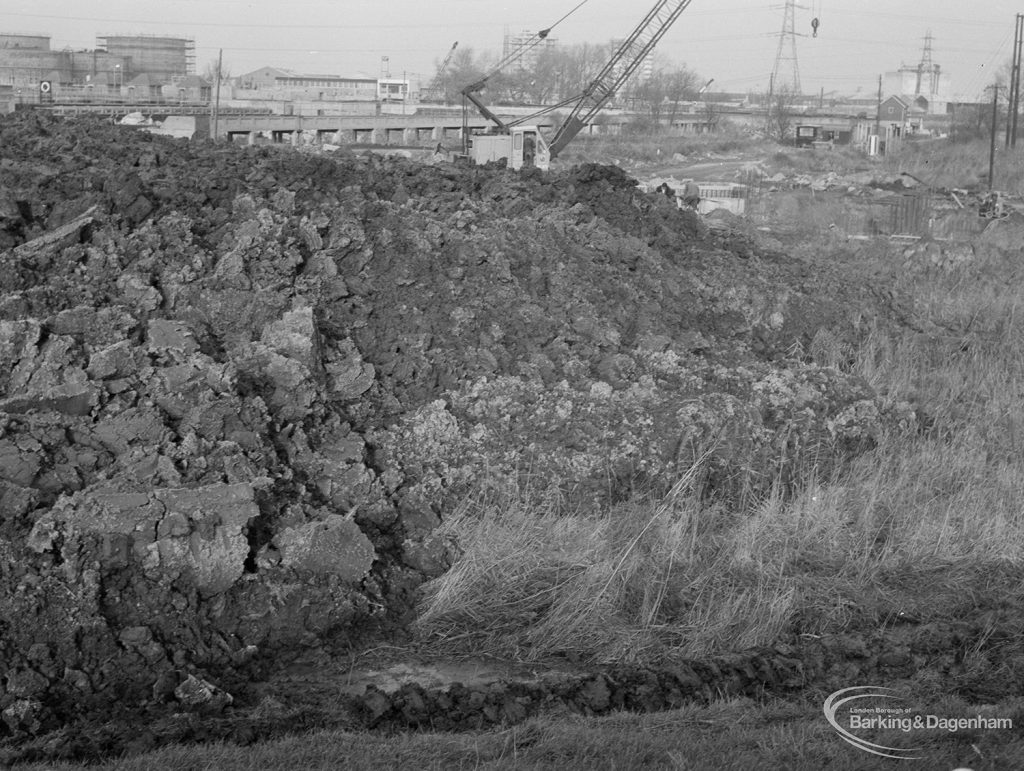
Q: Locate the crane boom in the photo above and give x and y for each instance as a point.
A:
(448, 58)
(523, 145)
(623, 63)
(435, 88)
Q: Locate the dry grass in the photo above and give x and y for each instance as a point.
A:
(627, 583)
(730, 735)
(941, 163)
(916, 520)
(643, 148)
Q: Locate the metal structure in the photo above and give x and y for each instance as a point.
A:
(927, 67)
(630, 54)
(616, 72)
(436, 88)
(157, 55)
(786, 72)
(1014, 92)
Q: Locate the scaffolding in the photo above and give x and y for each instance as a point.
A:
(158, 55)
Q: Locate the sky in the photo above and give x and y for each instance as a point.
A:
(733, 41)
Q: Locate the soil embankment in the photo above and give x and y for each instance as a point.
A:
(240, 388)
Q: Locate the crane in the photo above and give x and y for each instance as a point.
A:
(523, 144)
(436, 87)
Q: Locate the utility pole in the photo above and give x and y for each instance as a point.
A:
(992, 145)
(1014, 73)
(878, 110)
(216, 99)
(1013, 97)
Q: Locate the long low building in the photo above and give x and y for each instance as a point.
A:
(276, 83)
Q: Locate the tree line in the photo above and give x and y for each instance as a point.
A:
(561, 72)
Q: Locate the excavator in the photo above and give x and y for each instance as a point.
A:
(520, 142)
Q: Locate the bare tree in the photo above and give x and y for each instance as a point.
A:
(663, 90)
(465, 69)
(781, 110)
(649, 95)
(682, 84)
(558, 73)
(210, 71)
(712, 116)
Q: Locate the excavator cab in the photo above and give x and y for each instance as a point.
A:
(529, 150)
(522, 147)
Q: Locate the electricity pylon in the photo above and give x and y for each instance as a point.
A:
(786, 72)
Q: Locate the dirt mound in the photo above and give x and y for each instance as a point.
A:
(240, 387)
(980, 660)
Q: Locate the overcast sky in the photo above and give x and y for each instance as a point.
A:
(733, 41)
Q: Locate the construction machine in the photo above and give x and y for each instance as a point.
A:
(435, 91)
(520, 141)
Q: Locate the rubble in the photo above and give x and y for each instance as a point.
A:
(241, 387)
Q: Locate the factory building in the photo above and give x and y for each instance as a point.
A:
(162, 57)
(922, 86)
(30, 65)
(279, 83)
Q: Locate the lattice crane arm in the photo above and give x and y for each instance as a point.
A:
(448, 58)
(470, 91)
(617, 71)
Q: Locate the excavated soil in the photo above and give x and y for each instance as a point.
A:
(241, 387)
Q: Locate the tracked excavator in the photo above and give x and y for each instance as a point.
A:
(520, 141)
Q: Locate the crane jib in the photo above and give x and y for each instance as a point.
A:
(623, 63)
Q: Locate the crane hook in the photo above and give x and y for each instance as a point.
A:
(814, 26)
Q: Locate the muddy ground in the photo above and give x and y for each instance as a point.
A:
(241, 387)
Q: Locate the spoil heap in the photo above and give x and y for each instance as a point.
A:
(239, 388)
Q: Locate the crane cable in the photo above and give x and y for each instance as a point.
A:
(537, 38)
(568, 15)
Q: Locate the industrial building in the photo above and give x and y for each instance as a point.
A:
(36, 72)
(157, 55)
(27, 60)
(923, 86)
(274, 83)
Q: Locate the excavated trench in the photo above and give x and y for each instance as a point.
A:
(241, 387)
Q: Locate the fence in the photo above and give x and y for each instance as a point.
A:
(921, 213)
(897, 215)
(732, 198)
